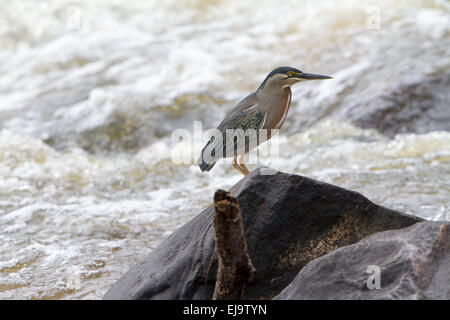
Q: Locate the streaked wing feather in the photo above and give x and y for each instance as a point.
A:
(244, 115)
(250, 118)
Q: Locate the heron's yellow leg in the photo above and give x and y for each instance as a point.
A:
(235, 165)
(242, 164)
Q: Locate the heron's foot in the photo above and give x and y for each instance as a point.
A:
(242, 165)
(238, 168)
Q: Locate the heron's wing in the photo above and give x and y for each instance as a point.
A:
(245, 126)
(245, 116)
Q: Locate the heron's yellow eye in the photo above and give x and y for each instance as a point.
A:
(290, 73)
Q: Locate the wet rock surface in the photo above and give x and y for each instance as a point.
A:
(289, 220)
(418, 105)
(414, 263)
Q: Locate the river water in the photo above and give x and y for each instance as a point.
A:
(91, 91)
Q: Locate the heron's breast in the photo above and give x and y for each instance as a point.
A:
(280, 111)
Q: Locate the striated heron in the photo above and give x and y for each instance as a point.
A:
(266, 108)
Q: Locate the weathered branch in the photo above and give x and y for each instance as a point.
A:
(235, 267)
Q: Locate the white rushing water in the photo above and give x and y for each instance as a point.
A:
(91, 91)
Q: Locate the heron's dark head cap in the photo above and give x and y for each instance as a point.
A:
(286, 76)
(284, 71)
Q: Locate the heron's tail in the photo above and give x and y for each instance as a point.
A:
(206, 162)
(206, 166)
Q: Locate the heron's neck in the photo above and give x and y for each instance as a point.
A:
(275, 102)
(272, 96)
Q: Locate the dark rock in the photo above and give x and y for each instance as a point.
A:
(414, 264)
(289, 220)
(419, 106)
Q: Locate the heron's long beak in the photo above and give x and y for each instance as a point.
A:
(311, 76)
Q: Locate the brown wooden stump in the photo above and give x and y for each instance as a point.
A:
(235, 267)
